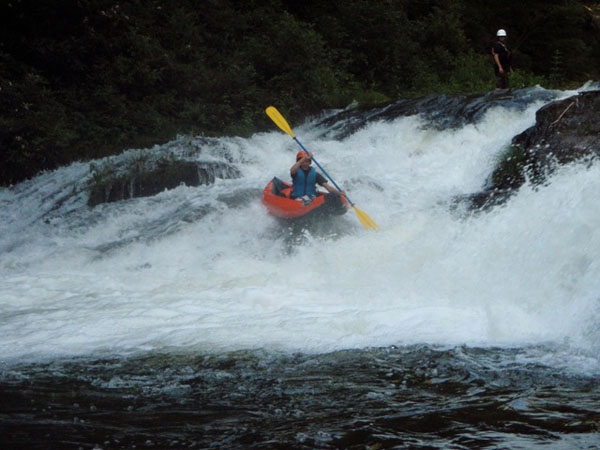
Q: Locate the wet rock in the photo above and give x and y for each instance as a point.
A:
(148, 181)
(444, 111)
(565, 131)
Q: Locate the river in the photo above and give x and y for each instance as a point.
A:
(192, 319)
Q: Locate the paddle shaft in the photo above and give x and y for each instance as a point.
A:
(280, 121)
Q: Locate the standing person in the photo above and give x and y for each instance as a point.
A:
(502, 60)
(305, 178)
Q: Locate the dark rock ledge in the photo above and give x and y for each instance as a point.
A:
(151, 179)
(565, 131)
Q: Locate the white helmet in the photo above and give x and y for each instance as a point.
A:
(501, 32)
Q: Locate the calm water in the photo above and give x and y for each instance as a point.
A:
(412, 397)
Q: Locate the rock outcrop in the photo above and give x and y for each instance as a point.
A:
(565, 131)
(152, 180)
(440, 111)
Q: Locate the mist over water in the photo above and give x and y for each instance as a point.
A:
(205, 268)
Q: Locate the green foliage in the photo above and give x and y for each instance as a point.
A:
(472, 73)
(509, 170)
(557, 68)
(521, 78)
(83, 79)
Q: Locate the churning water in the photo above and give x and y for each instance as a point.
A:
(192, 319)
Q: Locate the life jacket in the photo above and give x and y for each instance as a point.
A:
(305, 184)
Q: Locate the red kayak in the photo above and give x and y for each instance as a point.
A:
(276, 197)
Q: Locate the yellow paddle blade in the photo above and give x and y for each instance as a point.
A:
(364, 219)
(279, 120)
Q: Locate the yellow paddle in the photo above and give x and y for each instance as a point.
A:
(279, 120)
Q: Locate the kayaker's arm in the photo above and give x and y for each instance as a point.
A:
(331, 189)
(295, 167)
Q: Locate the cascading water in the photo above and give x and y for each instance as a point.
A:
(203, 278)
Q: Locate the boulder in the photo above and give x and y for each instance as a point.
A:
(152, 180)
(565, 131)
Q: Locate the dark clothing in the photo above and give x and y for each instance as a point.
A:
(504, 56)
(502, 81)
(320, 179)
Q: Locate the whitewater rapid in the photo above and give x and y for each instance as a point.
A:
(205, 269)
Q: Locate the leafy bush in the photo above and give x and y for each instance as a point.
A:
(86, 79)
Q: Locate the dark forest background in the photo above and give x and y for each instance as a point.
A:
(83, 79)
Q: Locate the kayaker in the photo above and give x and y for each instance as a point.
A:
(305, 178)
(502, 60)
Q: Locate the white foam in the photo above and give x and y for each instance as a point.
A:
(131, 275)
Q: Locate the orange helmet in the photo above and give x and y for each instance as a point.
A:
(301, 154)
